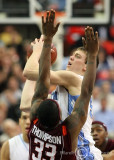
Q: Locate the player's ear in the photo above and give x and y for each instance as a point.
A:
(106, 134)
(19, 121)
(85, 67)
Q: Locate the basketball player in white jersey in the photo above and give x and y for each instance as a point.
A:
(17, 148)
(71, 79)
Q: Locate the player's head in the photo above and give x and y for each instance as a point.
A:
(78, 60)
(99, 133)
(24, 122)
(49, 114)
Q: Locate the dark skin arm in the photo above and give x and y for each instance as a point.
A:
(78, 117)
(43, 82)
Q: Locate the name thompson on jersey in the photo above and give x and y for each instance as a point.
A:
(45, 136)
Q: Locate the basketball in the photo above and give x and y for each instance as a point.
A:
(53, 54)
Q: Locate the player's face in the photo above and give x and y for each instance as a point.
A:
(99, 134)
(24, 122)
(77, 62)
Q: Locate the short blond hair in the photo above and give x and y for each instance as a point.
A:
(80, 49)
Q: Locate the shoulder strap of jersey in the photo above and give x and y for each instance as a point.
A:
(35, 121)
(64, 130)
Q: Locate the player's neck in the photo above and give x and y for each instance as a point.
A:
(103, 146)
(25, 138)
(79, 73)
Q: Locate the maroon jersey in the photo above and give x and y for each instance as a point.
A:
(49, 145)
(109, 146)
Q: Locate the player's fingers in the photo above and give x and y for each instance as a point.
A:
(96, 35)
(47, 17)
(41, 38)
(53, 15)
(84, 42)
(51, 18)
(36, 40)
(57, 26)
(92, 33)
(32, 43)
(42, 19)
(88, 32)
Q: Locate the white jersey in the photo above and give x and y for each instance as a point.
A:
(18, 148)
(86, 149)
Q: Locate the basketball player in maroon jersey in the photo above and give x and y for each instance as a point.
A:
(51, 139)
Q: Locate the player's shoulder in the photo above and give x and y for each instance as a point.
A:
(73, 76)
(70, 73)
(6, 145)
(5, 150)
(15, 138)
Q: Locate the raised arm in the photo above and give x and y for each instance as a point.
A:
(79, 114)
(27, 95)
(31, 69)
(43, 82)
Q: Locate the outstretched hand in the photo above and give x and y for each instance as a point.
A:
(91, 42)
(48, 28)
(37, 45)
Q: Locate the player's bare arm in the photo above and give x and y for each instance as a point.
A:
(43, 82)
(31, 69)
(5, 151)
(70, 80)
(27, 95)
(79, 114)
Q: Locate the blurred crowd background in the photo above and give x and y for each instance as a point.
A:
(15, 44)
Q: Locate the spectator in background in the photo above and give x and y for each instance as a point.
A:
(13, 39)
(12, 52)
(8, 56)
(11, 128)
(5, 67)
(111, 79)
(10, 36)
(106, 92)
(106, 115)
(100, 136)
(18, 73)
(103, 68)
(6, 62)
(12, 95)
